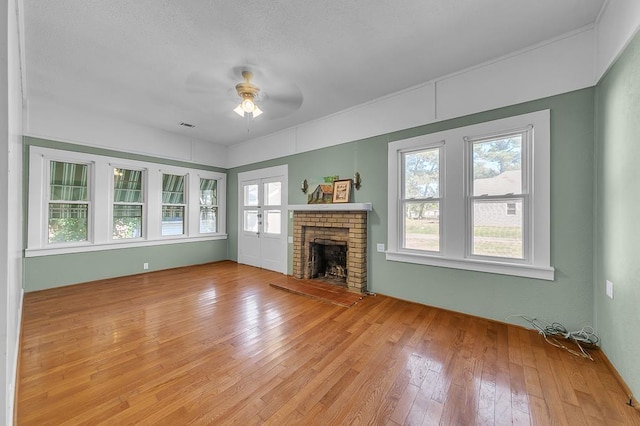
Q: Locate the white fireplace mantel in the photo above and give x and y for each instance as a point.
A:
(341, 207)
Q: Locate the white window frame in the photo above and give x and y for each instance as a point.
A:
(101, 207)
(217, 205)
(88, 202)
(113, 203)
(526, 170)
(403, 201)
(185, 204)
(454, 211)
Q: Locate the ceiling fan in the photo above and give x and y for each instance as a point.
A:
(277, 96)
(248, 92)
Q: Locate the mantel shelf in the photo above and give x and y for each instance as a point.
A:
(332, 207)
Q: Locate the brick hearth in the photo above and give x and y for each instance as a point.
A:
(344, 226)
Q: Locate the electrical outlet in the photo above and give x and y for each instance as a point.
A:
(145, 266)
(380, 247)
(609, 289)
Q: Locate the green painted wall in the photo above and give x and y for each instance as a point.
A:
(568, 299)
(618, 213)
(54, 271)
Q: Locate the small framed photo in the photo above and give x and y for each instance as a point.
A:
(341, 190)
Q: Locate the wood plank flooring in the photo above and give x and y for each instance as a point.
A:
(318, 290)
(216, 344)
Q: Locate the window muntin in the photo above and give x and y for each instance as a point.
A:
(208, 205)
(68, 205)
(173, 204)
(420, 199)
(128, 203)
(499, 175)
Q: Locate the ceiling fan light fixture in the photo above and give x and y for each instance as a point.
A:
(248, 105)
(248, 92)
(256, 111)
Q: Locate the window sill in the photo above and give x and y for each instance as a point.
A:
(86, 247)
(527, 271)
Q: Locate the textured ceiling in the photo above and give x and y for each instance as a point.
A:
(162, 62)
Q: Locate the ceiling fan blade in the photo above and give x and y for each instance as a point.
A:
(278, 106)
(281, 99)
(207, 83)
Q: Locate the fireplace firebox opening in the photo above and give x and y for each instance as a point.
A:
(328, 261)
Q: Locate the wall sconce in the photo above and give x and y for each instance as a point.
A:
(357, 182)
(305, 186)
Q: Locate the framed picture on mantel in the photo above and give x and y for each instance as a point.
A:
(341, 190)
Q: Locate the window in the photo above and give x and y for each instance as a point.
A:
(498, 180)
(83, 202)
(208, 205)
(173, 204)
(474, 198)
(68, 202)
(420, 199)
(128, 201)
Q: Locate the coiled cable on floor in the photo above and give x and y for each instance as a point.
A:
(551, 331)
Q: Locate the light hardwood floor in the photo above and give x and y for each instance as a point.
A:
(215, 344)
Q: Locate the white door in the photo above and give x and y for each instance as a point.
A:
(262, 208)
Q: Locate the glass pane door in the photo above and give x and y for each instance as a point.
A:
(262, 208)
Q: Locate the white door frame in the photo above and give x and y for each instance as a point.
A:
(281, 172)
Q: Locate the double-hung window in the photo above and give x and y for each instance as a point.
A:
(474, 198)
(69, 202)
(498, 196)
(128, 203)
(420, 199)
(208, 205)
(173, 204)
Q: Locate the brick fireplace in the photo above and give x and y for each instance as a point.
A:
(325, 226)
